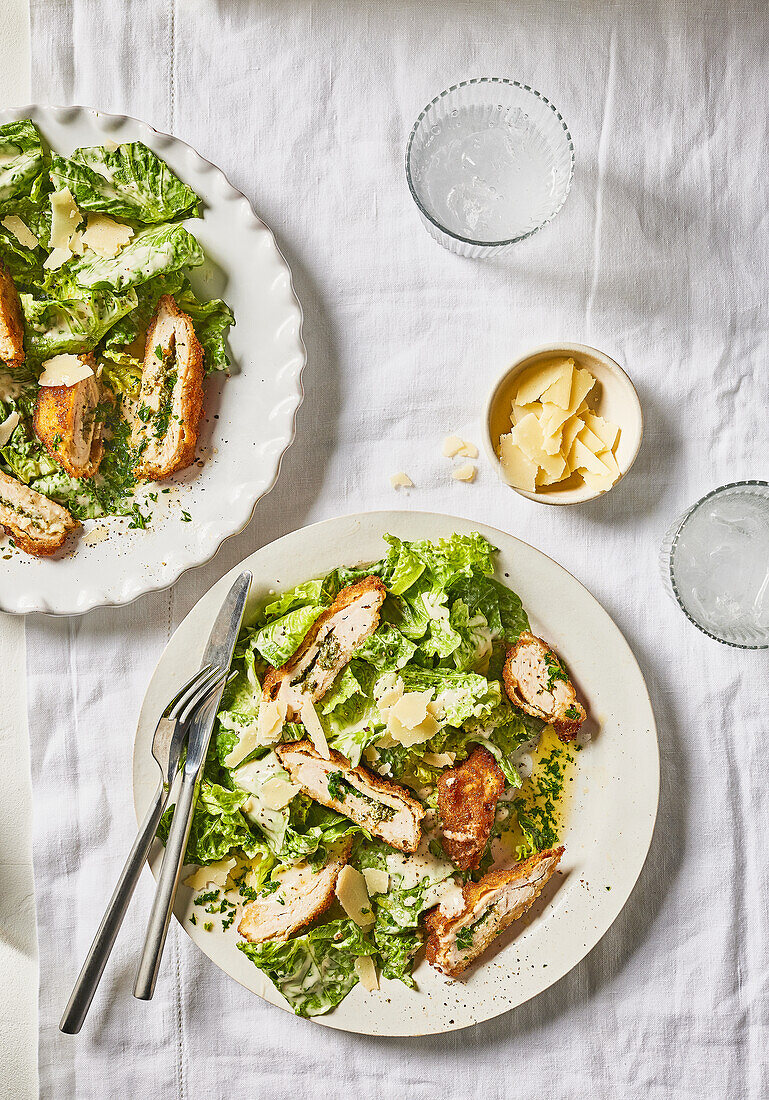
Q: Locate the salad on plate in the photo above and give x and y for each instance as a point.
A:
(386, 776)
(104, 344)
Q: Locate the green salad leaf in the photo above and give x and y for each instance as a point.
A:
(24, 264)
(314, 971)
(54, 326)
(211, 320)
(22, 160)
(218, 826)
(157, 250)
(277, 640)
(127, 182)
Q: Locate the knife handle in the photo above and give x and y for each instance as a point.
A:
(103, 942)
(168, 881)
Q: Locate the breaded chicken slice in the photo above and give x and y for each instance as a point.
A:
(302, 895)
(328, 645)
(491, 905)
(39, 526)
(383, 808)
(467, 803)
(68, 425)
(170, 401)
(11, 321)
(537, 682)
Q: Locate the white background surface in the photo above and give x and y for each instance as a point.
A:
(659, 258)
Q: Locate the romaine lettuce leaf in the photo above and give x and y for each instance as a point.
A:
(127, 182)
(24, 264)
(315, 971)
(460, 696)
(277, 640)
(22, 161)
(475, 636)
(218, 826)
(23, 454)
(499, 605)
(397, 951)
(211, 320)
(307, 594)
(154, 251)
(396, 932)
(445, 560)
(55, 326)
(387, 650)
(122, 372)
(147, 295)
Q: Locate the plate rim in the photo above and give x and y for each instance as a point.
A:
(641, 851)
(19, 607)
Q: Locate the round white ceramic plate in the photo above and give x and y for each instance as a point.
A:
(613, 810)
(249, 417)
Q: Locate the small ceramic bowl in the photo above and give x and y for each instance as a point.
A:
(614, 398)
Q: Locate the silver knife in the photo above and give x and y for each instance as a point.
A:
(219, 650)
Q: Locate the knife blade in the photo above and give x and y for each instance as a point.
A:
(218, 653)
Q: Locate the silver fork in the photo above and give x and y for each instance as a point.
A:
(166, 748)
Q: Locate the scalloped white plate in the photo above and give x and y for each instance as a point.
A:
(612, 810)
(249, 417)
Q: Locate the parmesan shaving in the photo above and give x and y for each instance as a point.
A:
(464, 473)
(64, 370)
(401, 481)
(452, 445)
(366, 971)
(439, 759)
(105, 236)
(416, 734)
(21, 231)
(411, 709)
(353, 896)
(65, 218)
(377, 882)
(276, 793)
(311, 723)
(56, 258)
(8, 427)
(215, 874)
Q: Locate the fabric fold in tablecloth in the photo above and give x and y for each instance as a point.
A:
(659, 258)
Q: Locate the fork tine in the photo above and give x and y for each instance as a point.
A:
(178, 701)
(206, 688)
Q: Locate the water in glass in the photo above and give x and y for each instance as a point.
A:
(720, 564)
(490, 178)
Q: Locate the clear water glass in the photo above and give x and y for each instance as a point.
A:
(489, 162)
(715, 564)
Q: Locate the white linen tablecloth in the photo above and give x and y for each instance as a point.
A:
(18, 939)
(660, 259)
